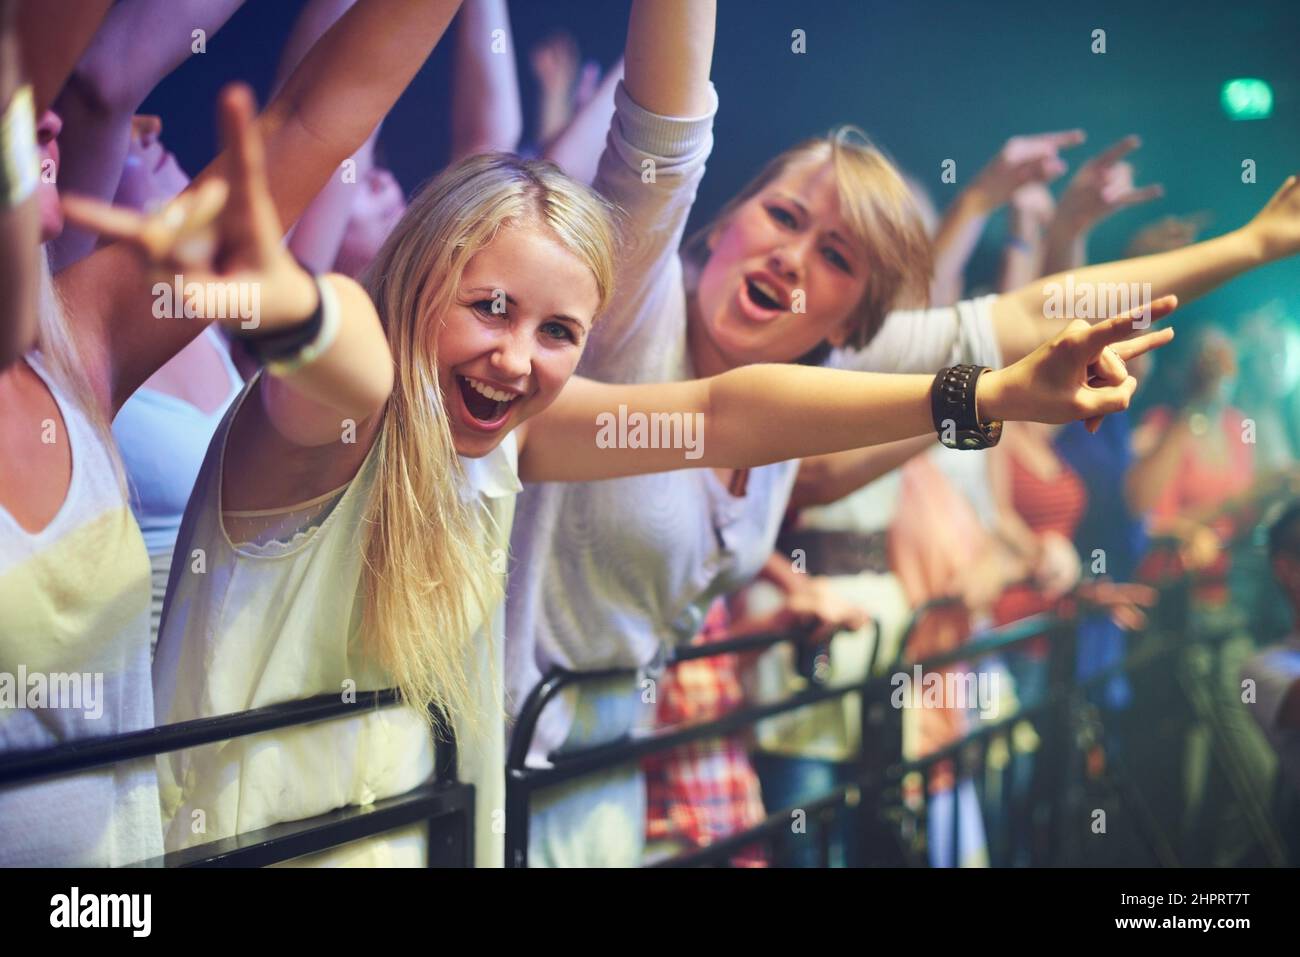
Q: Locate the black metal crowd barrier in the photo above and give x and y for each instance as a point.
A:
(1034, 802)
(886, 831)
(1039, 805)
(874, 795)
(523, 781)
(446, 803)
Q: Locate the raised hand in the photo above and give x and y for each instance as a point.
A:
(1032, 206)
(1079, 374)
(1024, 159)
(554, 60)
(1277, 225)
(1103, 186)
(222, 235)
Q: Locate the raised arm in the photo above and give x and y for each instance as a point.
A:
(668, 55)
(140, 42)
(20, 218)
(52, 36)
(485, 112)
(576, 148)
(326, 110)
(1031, 315)
(659, 139)
(588, 432)
(1102, 187)
(1022, 160)
(1029, 213)
(316, 237)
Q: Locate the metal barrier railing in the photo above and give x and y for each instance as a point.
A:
(890, 827)
(446, 803)
(873, 795)
(523, 781)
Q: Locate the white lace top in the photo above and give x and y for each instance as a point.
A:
(277, 618)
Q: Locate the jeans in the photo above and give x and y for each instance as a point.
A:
(789, 782)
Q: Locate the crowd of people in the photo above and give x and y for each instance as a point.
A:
(280, 430)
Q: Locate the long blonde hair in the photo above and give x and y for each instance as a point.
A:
(880, 210)
(428, 574)
(62, 356)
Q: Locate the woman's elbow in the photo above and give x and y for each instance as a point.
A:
(371, 392)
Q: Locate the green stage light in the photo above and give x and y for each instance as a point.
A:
(1247, 99)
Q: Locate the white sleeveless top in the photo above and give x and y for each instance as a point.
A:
(242, 629)
(74, 616)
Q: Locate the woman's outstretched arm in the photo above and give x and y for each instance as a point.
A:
(1033, 314)
(486, 115)
(52, 36)
(140, 42)
(576, 148)
(759, 414)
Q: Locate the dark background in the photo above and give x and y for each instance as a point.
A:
(927, 80)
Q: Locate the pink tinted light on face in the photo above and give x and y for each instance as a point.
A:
(781, 235)
(378, 205)
(150, 175)
(48, 128)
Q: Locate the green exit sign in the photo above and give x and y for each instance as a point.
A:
(1247, 99)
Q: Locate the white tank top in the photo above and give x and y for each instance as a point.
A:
(74, 617)
(243, 628)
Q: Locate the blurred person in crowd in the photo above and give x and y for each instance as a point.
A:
(1196, 479)
(1194, 459)
(705, 790)
(1273, 675)
(1269, 345)
(1111, 539)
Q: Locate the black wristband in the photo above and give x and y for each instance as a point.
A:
(281, 344)
(952, 408)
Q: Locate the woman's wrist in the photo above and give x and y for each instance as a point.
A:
(979, 199)
(307, 320)
(297, 297)
(1067, 228)
(1250, 246)
(1024, 229)
(990, 396)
